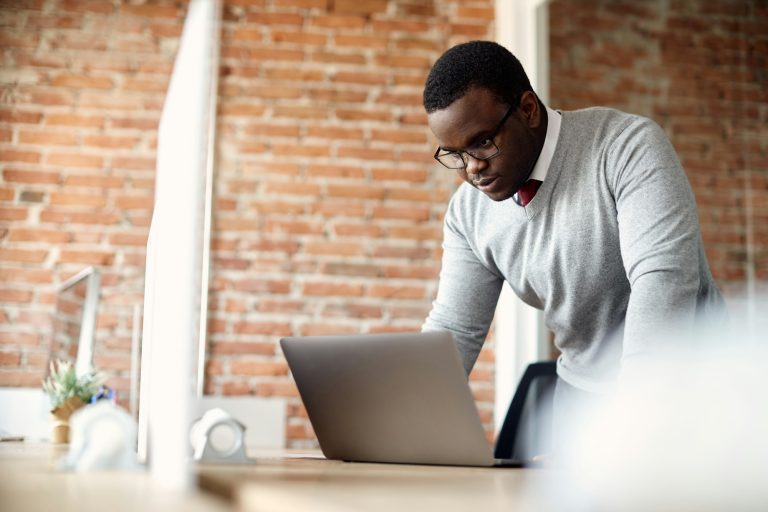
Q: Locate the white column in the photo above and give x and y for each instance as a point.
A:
(175, 249)
(522, 26)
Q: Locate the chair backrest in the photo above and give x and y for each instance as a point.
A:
(527, 428)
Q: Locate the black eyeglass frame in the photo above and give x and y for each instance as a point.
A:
(463, 152)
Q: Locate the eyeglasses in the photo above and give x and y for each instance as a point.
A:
(484, 149)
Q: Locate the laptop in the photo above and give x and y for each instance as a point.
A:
(392, 398)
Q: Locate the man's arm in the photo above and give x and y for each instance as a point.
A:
(466, 296)
(659, 235)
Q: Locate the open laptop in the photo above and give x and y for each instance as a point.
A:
(397, 398)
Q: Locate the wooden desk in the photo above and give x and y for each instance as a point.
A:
(305, 484)
(30, 482)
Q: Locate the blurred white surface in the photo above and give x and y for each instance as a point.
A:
(25, 412)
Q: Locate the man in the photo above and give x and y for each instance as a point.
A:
(587, 215)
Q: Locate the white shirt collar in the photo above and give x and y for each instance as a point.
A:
(548, 149)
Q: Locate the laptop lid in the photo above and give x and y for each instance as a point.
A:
(401, 398)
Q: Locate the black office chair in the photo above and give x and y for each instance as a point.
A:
(527, 428)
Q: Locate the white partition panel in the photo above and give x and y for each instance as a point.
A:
(175, 249)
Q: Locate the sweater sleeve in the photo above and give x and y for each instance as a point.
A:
(467, 293)
(659, 235)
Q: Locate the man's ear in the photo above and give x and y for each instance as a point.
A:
(530, 109)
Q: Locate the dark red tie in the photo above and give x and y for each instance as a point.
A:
(527, 191)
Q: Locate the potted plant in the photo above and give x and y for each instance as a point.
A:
(68, 393)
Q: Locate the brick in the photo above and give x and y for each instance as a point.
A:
(74, 120)
(13, 213)
(266, 305)
(360, 78)
(38, 177)
(337, 95)
(10, 359)
(406, 26)
(266, 328)
(86, 6)
(21, 378)
(261, 368)
(235, 388)
(75, 160)
(357, 230)
(106, 362)
(352, 269)
(134, 202)
(339, 209)
(395, 61)
(274, 18)
(87, 257)
(69, 217)
(337, 58)
(353, 311)
(303, 4)
(338, 21)
(411, 175)
(364, 7)
(133, 163)
(128, 239)
(349, 114)
(303, 37)
(338, 171)
(379, 42)
(251, 348)
(61, 198)
(52, 236)
(332, 289)
(278, 389)
(271, 286)
(291, 150)
(23, 255)
(292, 227)
(409, 213)
(409, 253)
(99, 181)
(332, 132)
(12, 155)
(151, 11)
(317, 329)
(360, 192)
(300, 112)
(303, 189)
(82, 81)
(111, 142)
(400, 136)
(19, 116)
(301, 74)
(388, 98)
(11, 295)
(365, 153)
(13, 41)
(334, 248)
(20, 339)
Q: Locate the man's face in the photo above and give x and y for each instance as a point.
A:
(470, 121)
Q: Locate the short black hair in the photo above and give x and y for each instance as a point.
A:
(475, 64)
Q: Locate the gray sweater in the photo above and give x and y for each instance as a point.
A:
(609, 248)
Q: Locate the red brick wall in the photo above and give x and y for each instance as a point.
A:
(328, 207)
(700, 69)
(82, 84)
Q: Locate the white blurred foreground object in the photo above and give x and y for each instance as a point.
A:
(175, 248)
(103, 436)
(686, 429)
(218, 438)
